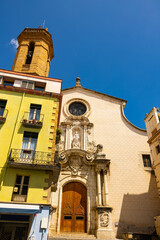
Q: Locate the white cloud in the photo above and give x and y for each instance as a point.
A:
(14, 43)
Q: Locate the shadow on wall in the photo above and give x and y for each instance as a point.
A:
(138, 211)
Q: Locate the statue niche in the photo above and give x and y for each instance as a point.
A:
(76, 138)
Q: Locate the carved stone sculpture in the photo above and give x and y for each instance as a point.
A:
(104, 219)
(76, 140)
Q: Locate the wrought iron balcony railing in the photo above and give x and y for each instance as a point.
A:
(32, 120)
(30, 158)
(3, 115)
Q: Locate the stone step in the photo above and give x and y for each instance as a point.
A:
(72, 236)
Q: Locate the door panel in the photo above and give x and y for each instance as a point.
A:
(74, 206)
(12, 231)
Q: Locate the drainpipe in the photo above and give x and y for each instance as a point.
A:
(9, 149)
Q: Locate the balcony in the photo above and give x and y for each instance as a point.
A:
(19, 198)
(3, 115)
(152, 121)
(32, 120)
(30, 159)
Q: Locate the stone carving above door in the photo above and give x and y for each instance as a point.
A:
(77, 133)
(75, 164)
(76, 160)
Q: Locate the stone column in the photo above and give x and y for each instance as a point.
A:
(105, 187)
(84, 137)
(67, 137)
(99, 188)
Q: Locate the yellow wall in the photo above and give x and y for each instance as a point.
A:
(36, 194)
(11, 135)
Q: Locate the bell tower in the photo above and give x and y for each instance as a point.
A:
(34, 53)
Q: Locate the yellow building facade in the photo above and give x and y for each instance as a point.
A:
(29, 111)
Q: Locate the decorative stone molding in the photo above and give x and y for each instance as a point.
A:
(104, 228)
(66, 107)
(77, 133)
(75, 164)
(104, 218)
(75, 160)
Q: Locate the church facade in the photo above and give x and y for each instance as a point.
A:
(106, 185)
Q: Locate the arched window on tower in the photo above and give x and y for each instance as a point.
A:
(30, 53)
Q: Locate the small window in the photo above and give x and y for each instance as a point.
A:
(27, 84)
(34, 113)
(2, 106)
(30, 53)
(39, 88)
(67, 217)
(21, 185)
(29, 145)
(1, 79)
(79, 218)
(146, 160)
(158, 149)
(8, 83)
(29, 140)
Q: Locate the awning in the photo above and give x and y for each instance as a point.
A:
(19, 208)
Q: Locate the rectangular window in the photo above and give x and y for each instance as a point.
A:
(39, 86)
(20, 188)
(2, 106)
(29, 145)
(158, 149)
(1, 79)
(146, 160)
(8, 83)
(27, 84)
(34, 113)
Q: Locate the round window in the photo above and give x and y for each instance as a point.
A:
(77, 108)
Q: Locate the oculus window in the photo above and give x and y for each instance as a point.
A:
(77, 108)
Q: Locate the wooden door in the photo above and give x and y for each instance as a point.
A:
(74, 208)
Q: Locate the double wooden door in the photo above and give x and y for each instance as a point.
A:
(74, 208)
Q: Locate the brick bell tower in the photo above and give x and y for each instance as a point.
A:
(34, 53)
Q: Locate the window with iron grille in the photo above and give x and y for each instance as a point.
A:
(146, 160)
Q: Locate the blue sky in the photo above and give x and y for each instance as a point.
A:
(112, 45)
